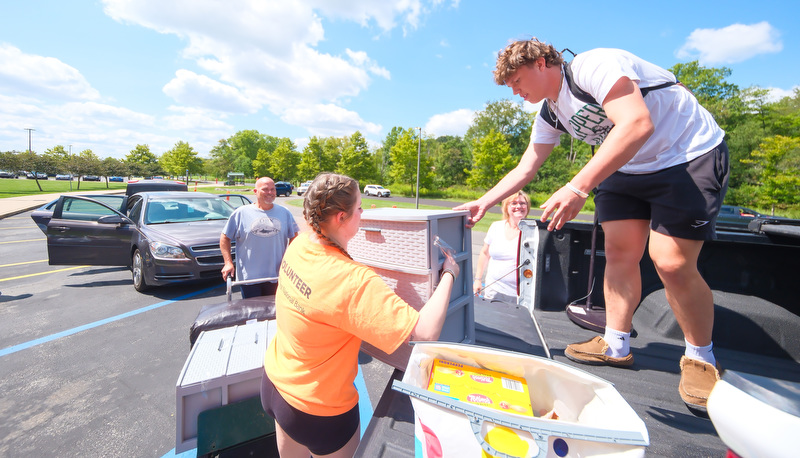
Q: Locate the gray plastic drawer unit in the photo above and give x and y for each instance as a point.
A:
(398, 244)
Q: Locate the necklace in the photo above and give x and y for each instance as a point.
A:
(554, 107)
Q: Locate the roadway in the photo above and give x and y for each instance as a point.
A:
(88, 366)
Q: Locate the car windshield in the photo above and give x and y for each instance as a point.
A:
(186, 209)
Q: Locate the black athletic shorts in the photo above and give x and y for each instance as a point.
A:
(681, 201)
(322, 435)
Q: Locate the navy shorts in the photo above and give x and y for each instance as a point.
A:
(681, 201)
(322, 435)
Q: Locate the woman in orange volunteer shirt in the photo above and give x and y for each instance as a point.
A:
(326, 304)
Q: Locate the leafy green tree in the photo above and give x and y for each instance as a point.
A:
(245, 146)
(777, 162)
(383, 156)
(332, 148)
(85, 163)
(310, 160)
(491, 160)
(113, 167)
(221, 161)
(404, 161)
(10, 161)
(507, 118)
(279, 164)
(785, 117)
(180, 159)
(356, 161)
(142, 162)
(58, 158)
(449, 158)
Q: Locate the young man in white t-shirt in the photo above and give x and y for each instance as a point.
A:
(660, 172)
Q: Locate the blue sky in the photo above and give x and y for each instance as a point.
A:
(107, 75)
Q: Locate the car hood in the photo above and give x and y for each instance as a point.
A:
(193, 233)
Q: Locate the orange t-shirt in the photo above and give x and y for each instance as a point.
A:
(326, 304)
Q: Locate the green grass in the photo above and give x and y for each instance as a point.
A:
(367, 202)
(10, 187)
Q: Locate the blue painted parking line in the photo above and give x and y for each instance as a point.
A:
(69, 332)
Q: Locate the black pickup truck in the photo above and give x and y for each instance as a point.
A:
(753, 276)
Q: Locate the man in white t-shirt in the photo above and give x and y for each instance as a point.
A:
(660, 173)
(262, 231)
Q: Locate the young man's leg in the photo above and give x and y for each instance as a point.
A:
(625, 241)
(692, 303)
(687, 292)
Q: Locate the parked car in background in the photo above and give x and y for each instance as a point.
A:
(64, 177)
(7, 174)
(376, 190)
(735, 218)
(236, 200)
(283, 188)
(91, 178)
(164, 237)
(116, 179)
(303, 188)
(39, 176)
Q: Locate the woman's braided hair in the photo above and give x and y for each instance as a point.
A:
(521, 53)
(329, 194)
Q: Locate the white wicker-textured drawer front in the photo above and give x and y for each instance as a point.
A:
(415, 289)
(401, 243)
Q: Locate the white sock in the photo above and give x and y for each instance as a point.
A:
(619, 343)
(705, 354)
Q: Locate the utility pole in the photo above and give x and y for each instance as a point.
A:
(29, 138)
(70, 168)
(35, 176)
(419, 148)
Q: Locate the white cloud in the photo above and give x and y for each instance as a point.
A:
(453, 123)
(43, 77)
(260, 53)
(190, 89)
(776, 94)
(329, 120)
(731, 44)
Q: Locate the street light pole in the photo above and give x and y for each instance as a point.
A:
(70, 171)
(419, 148)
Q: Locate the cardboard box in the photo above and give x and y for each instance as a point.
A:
(593, 418)
(481, 387)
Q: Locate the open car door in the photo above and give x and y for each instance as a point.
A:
(86, 231)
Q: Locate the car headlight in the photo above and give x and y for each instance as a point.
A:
(163, 251)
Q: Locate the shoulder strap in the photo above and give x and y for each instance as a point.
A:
(547, 115)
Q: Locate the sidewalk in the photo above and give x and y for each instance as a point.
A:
(10, 206)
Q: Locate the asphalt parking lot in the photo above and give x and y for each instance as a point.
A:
(88, 365)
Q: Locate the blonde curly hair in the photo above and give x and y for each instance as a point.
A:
(523, 52)
(329, 194)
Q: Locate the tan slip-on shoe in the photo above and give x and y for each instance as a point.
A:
(593, 352)
(697, 381)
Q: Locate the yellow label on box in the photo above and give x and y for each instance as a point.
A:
(482, 387)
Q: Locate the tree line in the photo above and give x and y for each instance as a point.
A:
(763, 137)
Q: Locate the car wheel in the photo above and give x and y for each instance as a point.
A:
(137, 269)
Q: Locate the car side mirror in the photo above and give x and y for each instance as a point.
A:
(113, 219)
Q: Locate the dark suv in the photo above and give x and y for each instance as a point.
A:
(283, 188)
